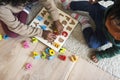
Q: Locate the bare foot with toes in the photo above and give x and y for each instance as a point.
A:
(93, 58)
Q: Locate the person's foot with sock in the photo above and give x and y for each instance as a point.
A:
(66, 4)
(84, 20)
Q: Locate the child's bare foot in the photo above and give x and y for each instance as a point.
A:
(93, 58)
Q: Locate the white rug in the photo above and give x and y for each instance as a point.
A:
(76, 44)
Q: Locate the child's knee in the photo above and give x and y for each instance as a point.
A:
(10, 33)
(13, 35)
(93, 45)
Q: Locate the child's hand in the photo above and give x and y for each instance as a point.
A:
(58, 26)
(48, 35)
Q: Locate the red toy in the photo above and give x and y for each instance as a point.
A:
(62, 57)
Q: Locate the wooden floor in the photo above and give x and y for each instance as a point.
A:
(13, 58)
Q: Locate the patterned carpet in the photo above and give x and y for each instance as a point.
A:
(77, 45)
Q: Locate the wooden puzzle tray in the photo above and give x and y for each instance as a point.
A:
(45, 22)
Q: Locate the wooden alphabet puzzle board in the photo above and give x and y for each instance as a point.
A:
(44, 21)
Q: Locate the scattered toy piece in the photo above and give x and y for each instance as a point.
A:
(73, 58)
(44, 55)
(51, 57)
(48, 54)
(5, 37)
(62, 57)
(26, 44)
(62, 50)
(28, 66)
(1, 37)
(47, 50)
(36, 55)
(51, 52)
(34, 40)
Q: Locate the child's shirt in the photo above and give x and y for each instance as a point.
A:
(115, 49)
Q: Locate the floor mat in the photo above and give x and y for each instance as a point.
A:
(76, 44)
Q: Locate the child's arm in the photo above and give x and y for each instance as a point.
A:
(50, 5)
(16, 26)
(108, 53)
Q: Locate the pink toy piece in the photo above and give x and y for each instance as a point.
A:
(28, 66)
(26, 44)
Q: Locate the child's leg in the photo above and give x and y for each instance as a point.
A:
(96, 11)
(22, 16)
(7, 31)
(95, 39)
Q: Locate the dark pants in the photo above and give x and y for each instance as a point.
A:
(22, 17)
(95, 38)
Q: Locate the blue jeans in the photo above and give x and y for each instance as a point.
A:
(95, 38)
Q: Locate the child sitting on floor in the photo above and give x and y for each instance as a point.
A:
(13, 19)
(107, 21)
